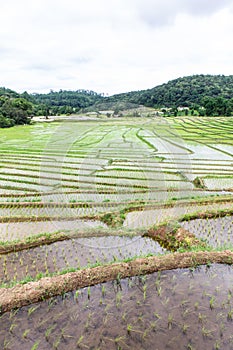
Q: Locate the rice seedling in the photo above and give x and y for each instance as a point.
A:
(112, 171)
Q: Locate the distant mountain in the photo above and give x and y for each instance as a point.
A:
(186, 91)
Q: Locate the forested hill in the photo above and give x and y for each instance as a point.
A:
(213, 92)
(67, 102)
(15, 108)
(187, 91)
(18, 108)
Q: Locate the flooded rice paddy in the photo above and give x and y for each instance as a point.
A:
(216, 232)
(103, 166)
(73, 253)
(183, 309)
(147, 218)
(10, 231)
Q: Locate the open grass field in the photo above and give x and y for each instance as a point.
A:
(86, 194)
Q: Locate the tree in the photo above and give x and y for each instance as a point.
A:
(209, 105)
(5, 122)
(17, 109)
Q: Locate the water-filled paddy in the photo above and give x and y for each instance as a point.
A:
(80, 156)
(106, 162)
(216, 232)
(73, 253)
(147, 218)
(183, 309)
(10, 231)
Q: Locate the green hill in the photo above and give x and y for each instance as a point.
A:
(15, 108)
(67, 102)
(208, 94)
(186, 91)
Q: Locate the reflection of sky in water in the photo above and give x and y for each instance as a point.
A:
(205, 152)
(217, 231)
(18, 230)
(147, 218)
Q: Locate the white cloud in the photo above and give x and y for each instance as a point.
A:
(164, 12)
(112, 46)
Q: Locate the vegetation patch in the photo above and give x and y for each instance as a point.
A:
(173, 237)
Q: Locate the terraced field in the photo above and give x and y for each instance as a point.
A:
(72, 170)
(77, 195)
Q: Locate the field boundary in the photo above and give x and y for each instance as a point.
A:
(32, 292)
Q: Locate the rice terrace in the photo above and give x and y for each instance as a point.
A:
(117, 233)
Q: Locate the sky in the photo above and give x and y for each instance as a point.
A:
(112, 46)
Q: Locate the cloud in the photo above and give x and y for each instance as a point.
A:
(39, 67)
(112, 46)
(5, 52)
(164, 12)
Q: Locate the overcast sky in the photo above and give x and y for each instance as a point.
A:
(112, 46)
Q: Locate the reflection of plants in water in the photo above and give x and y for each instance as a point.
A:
(35, 346)
(212, 302)
(206, 332)
(89, 321)
(103, 290)
(185, 327)
(118, 299)
(170, 321)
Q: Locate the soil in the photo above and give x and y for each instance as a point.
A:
(174, 238)
(32, 292)
(176, 309)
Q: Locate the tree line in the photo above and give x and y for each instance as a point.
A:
(210, 95)
(213, 92)
(14, 109)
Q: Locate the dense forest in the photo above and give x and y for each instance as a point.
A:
(66, 102)
(15, 109)
(213, 92)
(210, 95)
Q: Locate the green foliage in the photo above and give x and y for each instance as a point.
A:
(217, 106)
(209, 95)
(17, 109)
(187, 91)
(14, 110)
(66, 102)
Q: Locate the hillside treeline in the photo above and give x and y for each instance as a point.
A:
(210, 95)
(214, 92)
(66, 102)
(14, 108)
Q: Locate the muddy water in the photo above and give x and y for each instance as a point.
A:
(18, 230)
(73, 253)
(147, 218)
(217, 232)
(180, 309)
